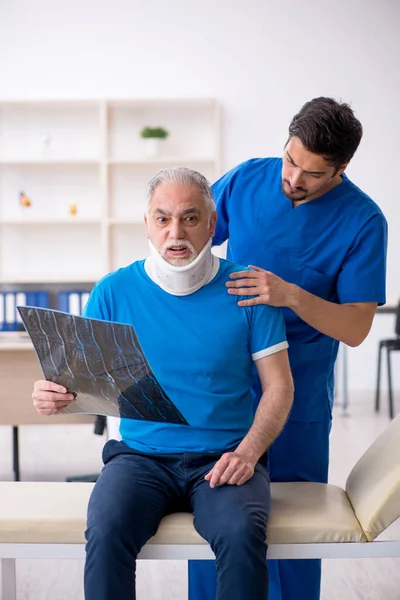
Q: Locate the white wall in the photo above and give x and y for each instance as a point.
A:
(262, 58)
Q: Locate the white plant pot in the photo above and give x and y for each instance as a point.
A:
(152, 147)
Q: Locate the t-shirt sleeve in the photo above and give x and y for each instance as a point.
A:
(222, 190)
(96, 306)
(363, 274)
(267, 331)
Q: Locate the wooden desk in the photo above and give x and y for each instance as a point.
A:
(19, 369)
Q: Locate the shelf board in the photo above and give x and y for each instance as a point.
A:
(160, 160)
(48, 279)
(47, 222)
(68, 162)
(112, 102)
(162, 102)
(51, 102)
(127, 221)
(178, 160)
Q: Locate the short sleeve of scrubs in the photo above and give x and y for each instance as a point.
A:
(221, 190)
(267, 331)
(363, 274)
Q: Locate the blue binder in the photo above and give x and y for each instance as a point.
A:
(72, 301)
(10, 319)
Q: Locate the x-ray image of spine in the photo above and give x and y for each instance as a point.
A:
(101, 362)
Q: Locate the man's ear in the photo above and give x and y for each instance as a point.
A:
(342, 169)
(213, 221)
(146, 222)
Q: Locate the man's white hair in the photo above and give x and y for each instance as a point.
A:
(186, 177)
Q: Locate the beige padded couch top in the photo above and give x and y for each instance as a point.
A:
(34, 512)
(300, 513)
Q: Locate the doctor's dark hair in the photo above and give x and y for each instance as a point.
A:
(328, 128)
(186, 177)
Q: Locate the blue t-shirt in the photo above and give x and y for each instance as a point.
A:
(201, 348)
(333, 246)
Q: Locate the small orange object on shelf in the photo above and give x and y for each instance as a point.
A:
(24, 200)
(73, 209)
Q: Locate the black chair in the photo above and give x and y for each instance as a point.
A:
(391, 345)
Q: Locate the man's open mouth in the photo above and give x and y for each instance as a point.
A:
(178, 249)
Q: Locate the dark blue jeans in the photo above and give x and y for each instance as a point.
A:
(136, 490)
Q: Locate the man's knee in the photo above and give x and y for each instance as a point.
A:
(110, 529)
(105, 534)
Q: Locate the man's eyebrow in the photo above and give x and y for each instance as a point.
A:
(187, 211)
(191, 210)
(309, 172)
(162, 212)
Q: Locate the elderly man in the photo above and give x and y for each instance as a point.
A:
(201, 346)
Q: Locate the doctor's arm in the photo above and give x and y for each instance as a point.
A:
(349, 323)
(235, 468)
(360, 286)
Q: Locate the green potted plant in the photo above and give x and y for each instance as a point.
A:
(152, 137)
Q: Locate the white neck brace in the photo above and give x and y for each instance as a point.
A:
(182, 281)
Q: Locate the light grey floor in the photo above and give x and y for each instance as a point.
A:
(51, 453)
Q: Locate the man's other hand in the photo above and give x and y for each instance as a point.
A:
(49, 398)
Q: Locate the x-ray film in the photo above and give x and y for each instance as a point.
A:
(101, 362)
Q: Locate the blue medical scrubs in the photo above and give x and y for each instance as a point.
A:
(334, 247)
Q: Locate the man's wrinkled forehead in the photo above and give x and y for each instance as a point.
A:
(174, 199)
(191, 210)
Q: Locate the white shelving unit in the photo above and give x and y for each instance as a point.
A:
(89, 154)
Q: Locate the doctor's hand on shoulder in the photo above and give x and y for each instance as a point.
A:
(49, 398)
(264, 285)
